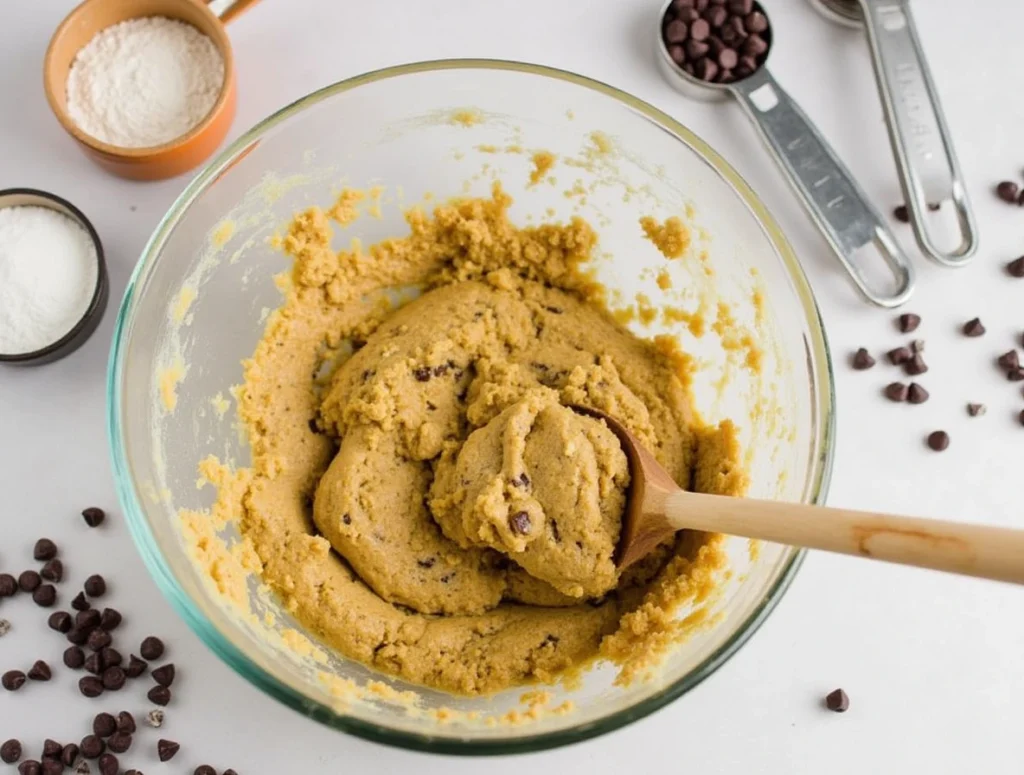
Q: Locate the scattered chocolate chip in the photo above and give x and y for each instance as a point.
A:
(1009, 360)
(94, 663)
(862, 360)
(79, 602)
(976, 410)
(59, 621)
(155, 718)
(53, 570)
(132, 772)
(74, 657)
(901, 214)
(110, 619)
(68, 754)
(40, 671)
(165, 749)
(974, 327)
(229, 771)
(1021, 417)
(422, 374)
(12, 680)
(126, 723)
(916, 365)
(136, 667)
(30, 767)
(8, 585)
(88, 619)
(10, 751)
(110, 657)
(114, 678)
(92, 746)
(1016, 375)
(938, 440)
(152, 648)
(896, 391)
(95, 586)
(164, 675)
(908, 322)
(90, 686)
(29, 581)
(5, 627)
(160, 695)
(916, 394)
(204, 769)
(108, 764)
(837, 701)
(45, 549)
(1020, 199)
(45, 595)
(119, 742)
(1007, 191)
(93, 516)
(899, 356)
(51, 749)
(1016, 267)
(51, 767)
(104, 725)
(519, 523)
(77, 635)
(99, 639)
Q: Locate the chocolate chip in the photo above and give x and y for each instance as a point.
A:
(938, 440)
(92, 746)
(95, 586)
(974, 327)
(908, 322)
(916, 394)
(110, 657)
(93, 516)
(862, 360)
(77, 635)
(1020, 199)
(916, 365)
(155, 718)
(29, 581)
(68, 754)
(74, 657)
(59, 621)
(114, 678)
(51, 749)
(40, 671)
(79, 602)
(754, 46)
(53, 570)
(12, 680)
(741, 7)
(521, 481)
(52, 767)
(45, 596)
(165, 749)
(119, 742)
(152, 648)
(108, 764)
(715, 15)
(126, 723)
(899, 356)
(695, 49)
(30, 767)
(1016, 267)
(976, 410)
(896, 391)
(99, 639)
(88, 619)
(10, 751)
(136, 667)
(8, 585)
(1016, 375)
(164, 675)
(901, 214)
(94, 663)
(229, 771)
(204, 769)
(422, 374)
(675, 31)
(159, 695)
(45, 549)
(132, 772)
(104, 724)
(1021, 417)
(755, 22)
(837, 701)
(1007, 191)
(90, 686)
(519, 523)
(700, 30)
(5, 627)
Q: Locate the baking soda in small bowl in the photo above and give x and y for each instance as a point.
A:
(144, 82)
(49, 270)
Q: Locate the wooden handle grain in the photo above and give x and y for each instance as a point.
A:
(971, 550)
(228, 10)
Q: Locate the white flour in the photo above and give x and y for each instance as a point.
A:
(144, 82)
(48, 273)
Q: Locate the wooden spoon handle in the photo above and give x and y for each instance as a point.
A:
(971, 550)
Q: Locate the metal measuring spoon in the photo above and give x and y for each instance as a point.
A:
(925, 160)
(838, 206)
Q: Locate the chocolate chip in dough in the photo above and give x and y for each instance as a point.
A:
(165, 749)
(837, 701)
(862, 360)
(519, 523)
(93, 516)
(938, 440)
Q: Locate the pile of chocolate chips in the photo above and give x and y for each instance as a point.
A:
(718, 41)
(91, 634)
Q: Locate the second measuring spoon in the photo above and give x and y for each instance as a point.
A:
(925, 160)
(693, 55)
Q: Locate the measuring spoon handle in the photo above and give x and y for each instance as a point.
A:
(925, 159)
(853, 227)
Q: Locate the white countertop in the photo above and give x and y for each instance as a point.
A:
(932, 663)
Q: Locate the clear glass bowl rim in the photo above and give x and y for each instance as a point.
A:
(235, 658)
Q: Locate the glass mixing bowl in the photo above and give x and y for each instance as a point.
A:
(197, 302)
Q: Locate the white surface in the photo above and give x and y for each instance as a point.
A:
(932, 663)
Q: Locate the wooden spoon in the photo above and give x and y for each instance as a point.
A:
(657, 508)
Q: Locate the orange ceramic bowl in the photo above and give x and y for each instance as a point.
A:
(160, 161)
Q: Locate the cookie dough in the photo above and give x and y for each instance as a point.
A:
(421, 495)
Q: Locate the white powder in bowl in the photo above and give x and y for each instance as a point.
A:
(144, 82)
(48, 274)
